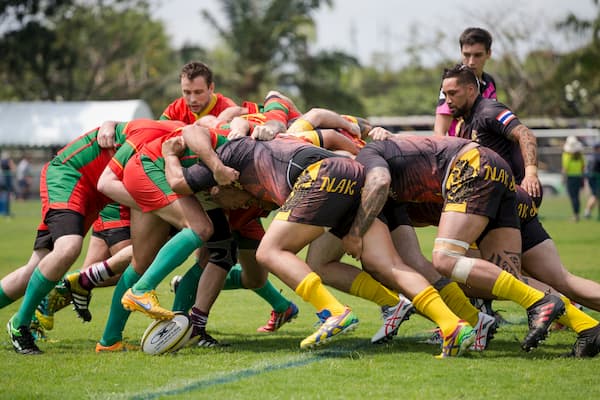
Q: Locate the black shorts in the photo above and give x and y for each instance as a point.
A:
(60, 222)
(394, 215)
(113, 236)
(221, 245)
(326, 194)
(413, 214)
(532, 234)
(244, 242)
(481, 183)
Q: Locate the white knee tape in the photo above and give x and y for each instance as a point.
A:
(456, 246)
(462, 269)
(456, 249)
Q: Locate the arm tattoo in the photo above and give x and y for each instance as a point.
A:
(527, 142)
(374, 195)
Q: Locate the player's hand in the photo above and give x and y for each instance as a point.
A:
(225, 175)
(356, 131)
(173, 147)
(106, 135)
(379, 133)
(353, 245)
(262, 132)
(235, 134)
(531, 184)
(207, 121)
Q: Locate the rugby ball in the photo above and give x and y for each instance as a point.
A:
(167, 336)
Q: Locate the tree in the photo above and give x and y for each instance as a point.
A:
(83, 52)
(263, 36)
(326, 79)
(578, 71)
(15, 12)
(412, 90)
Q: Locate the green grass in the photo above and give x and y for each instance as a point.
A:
(258, 366)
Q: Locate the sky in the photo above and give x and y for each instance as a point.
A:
(364, 28)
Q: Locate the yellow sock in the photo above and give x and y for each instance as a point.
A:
(365, 287)
(456, 300)
(574, 318)
(312, 290)
(509, 287)
(430, 304)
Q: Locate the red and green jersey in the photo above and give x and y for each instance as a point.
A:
(178, 110)
(152, 151)
(113, 216)
(274, 109)
(144, 175)
(139, 132)
(78, 164)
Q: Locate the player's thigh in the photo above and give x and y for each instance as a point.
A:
(97, 251)
(324, 249)
(288, 236)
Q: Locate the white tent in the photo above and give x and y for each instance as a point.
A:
(41, 123)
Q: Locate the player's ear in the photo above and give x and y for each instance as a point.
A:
(473, 89)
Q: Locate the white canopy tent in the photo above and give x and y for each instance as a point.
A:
(45, 124)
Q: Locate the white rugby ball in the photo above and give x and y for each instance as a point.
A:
(167, 336)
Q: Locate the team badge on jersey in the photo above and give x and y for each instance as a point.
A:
(505, 117)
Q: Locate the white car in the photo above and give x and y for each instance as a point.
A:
(552, 182)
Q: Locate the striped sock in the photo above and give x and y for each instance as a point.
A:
(95, 274)
(199, 319)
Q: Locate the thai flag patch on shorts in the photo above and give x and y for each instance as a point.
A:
(505, 117)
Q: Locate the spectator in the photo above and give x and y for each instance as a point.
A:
(573, 167)
(593, 177)
(24, 178)
(7, 167)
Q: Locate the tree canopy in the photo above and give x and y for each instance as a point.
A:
(102, 49)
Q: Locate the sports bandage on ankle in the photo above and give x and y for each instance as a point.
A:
(457, 250)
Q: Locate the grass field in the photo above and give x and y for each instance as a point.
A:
(262, 366)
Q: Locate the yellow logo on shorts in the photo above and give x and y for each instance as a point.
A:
(341, 186)
(526, 211)
(500, 175)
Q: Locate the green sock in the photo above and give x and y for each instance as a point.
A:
(185, 295)
(4, 299)
(117, 318)
(234, 278)
(37, 288)
(273, 296)
(268, 292)
(170, 256)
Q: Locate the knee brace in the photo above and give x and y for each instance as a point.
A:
(457, 250)
(223, 253)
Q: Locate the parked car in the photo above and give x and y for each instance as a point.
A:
(552, 182)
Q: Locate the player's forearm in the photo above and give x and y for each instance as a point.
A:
(441, 124)
(528, 145)
(174, 175)
(239, 126)
(334, 141)
(230, 113)
(374, 195)
(323, 118)
(198, 140)
(112, 187)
